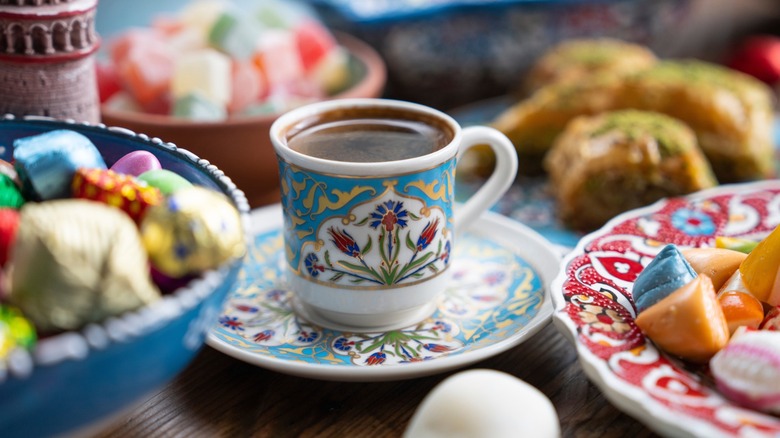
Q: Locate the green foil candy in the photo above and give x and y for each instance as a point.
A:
(15, 331)
(10, 195)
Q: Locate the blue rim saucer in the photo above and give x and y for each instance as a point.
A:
(498, 299)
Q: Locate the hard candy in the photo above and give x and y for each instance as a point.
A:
(719, 264)
(741, 310)
(667, 272)
(761, 268)
(687, 323)
(747, 370)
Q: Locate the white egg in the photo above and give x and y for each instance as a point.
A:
(484, 403)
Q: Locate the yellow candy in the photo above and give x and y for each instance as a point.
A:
(735, 243)
(760, 269)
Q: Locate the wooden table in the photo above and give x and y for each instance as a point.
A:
(218, 396)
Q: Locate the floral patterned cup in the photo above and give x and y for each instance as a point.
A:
(368, 245)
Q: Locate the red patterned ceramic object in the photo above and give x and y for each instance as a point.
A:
(595, 310)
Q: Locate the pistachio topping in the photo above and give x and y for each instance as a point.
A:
(633, 124)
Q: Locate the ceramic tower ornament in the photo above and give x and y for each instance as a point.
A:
(47, 65)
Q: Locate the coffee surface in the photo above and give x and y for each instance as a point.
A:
(369, 135)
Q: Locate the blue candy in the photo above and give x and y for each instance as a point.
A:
(668, 272)
(47, 162)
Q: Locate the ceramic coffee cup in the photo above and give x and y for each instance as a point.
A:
(368, 189)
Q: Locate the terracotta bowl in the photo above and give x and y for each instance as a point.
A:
(241, 147)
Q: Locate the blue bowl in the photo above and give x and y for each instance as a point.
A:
(76, 380)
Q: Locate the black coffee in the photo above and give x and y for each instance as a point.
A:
(366, 135)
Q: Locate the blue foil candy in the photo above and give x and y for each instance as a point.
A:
(46, 162)
(668, 272)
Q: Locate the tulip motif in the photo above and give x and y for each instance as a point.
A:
(344, 242)
(377, 358)
(380, 258)
(264, 335)
(427, 235)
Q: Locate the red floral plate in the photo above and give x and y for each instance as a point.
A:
(595, 310)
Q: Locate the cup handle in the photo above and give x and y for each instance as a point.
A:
(499, 181)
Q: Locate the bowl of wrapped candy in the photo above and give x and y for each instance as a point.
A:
(213, 76)
(116, 253)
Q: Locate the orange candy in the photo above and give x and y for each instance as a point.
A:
(688, 323)
(741, 309)
(717, 263)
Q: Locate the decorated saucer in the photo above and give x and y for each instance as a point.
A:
(498, 299)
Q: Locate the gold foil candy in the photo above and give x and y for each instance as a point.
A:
(193, 230)
(75, 262)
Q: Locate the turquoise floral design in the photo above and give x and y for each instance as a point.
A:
(494, 295)
(398, 254)
(693, 222)
(409, 345)
(309, 199)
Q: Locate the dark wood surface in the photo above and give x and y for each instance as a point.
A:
(218, 396)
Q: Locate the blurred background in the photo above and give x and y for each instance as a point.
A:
(447, 53)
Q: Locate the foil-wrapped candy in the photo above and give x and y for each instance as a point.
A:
(10, 194)
(122, 191)
(77, 261)
(193, 230)
(46, 162)
(15, 331)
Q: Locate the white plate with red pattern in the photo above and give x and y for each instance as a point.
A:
(594, 309)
